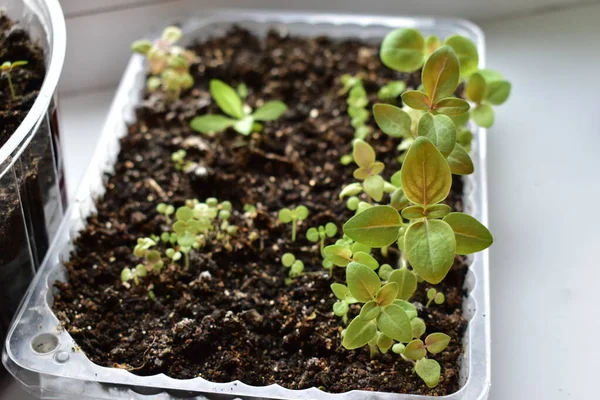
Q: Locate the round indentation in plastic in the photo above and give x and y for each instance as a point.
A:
(44, 343)
(62, 357)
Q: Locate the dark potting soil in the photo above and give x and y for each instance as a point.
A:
(24, 194)
(232, 316)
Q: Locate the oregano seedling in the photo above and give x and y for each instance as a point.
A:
(486, 88)
(287, 215)
(7, 67)
(435, 297)
(320, 233)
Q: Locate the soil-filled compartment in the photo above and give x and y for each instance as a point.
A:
(234, 315)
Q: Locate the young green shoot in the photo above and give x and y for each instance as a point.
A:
(433, 296)
(320, 233)
(167, 210)
(486, 88)
(7, 67)
(287, 215)
(391, 91)
(179, 161)
(169, 64)
(296, 266)
(240, 116)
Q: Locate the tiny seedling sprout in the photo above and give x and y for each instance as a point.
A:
(287, 215)
(7, 67)
(320, 233)
(240, 116)
(435, 297)
(296, 266)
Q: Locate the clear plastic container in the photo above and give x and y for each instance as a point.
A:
(32, 186)
(43, 357)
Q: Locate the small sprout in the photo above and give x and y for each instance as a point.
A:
(357, 102)
(242, 90)
(7, 67)
(240, 116)
(320, 233)
(368, 171)
(169, 64)
(296, 266)
(391, 91)
(435, 297)
(178, 159)
(486, 88)
(346, 159)
(287, 215)
(165, 209)
(429, 371)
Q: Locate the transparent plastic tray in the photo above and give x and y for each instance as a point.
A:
(41, 355)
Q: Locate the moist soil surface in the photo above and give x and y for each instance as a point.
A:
(16, 45)
(232, 315)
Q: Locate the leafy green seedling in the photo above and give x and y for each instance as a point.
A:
(167, 210)
(239, 116)
(178, 159)
(287, 215)
(320, 233)
(390, 91)
(486, 88)
(296, 266)
(169, 64)
(342, 305)
(368, 172)
(435, 297)
(7, 67)
(357, 102)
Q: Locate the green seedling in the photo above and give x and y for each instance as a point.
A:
(152, 262)
(357, 107)
(169, 64)
(287, 215)
(240, 116)
(391, 91)
(165, 209)
(433, 296)
(416, 351)
(486, 88)
(342, 305)
(7, 67)
(178, 159)
(296, 266)
(320, 233)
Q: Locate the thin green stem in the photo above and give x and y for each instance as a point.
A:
(293, 230)
(187, 260)
(384, 251)
(10, 85)
(428, 303)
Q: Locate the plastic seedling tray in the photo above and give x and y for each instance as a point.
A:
(43, 357)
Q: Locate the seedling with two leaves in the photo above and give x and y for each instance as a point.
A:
(486, 88)
(153, 262)
(320, 233)
(296, 266)
(240, 116)
(7, 67)
(287, 215)
(433, 296)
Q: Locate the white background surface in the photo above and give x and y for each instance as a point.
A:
(544, 177)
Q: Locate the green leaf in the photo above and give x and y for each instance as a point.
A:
(425, 174)
(393, 322)
(418, 327)
(376, 226)
(428, 370)
(416, 99)
(244, 126)
(398, 199)
(440, 74)
(227, 98)
(483, 115)
(373, 186)
(451, 106)
(460, 162)
(288, 259)
(415, 349)
(398, 348)
(396, 179)
(490, 75)
(409, 308)
(338, 254)
(270, 111)
(471, 235)
(476, 88)
(402, 50)
(211, 123)
(466, 52)
(312, 234)
(384, 342)
(340, 308)
(440, 130)
(359, 333)
(364, 155)
(285, 215)
(330, 229)
(498, 92)
(437, 211)
(460, 121)
(385, 271)
(369, 311)
(301, 212)
(407, 282)
(340, 291)
(437, 342)
(387, 294)
(413, 212)
(351, 190)
(392, 120)
(365, 258)
(432, 43)
(363, 282)
(430, 247)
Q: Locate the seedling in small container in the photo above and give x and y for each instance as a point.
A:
(7, 67)
(486, 88)
(287, 215)
(240, 116)
(434, 296)
(320, 233)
